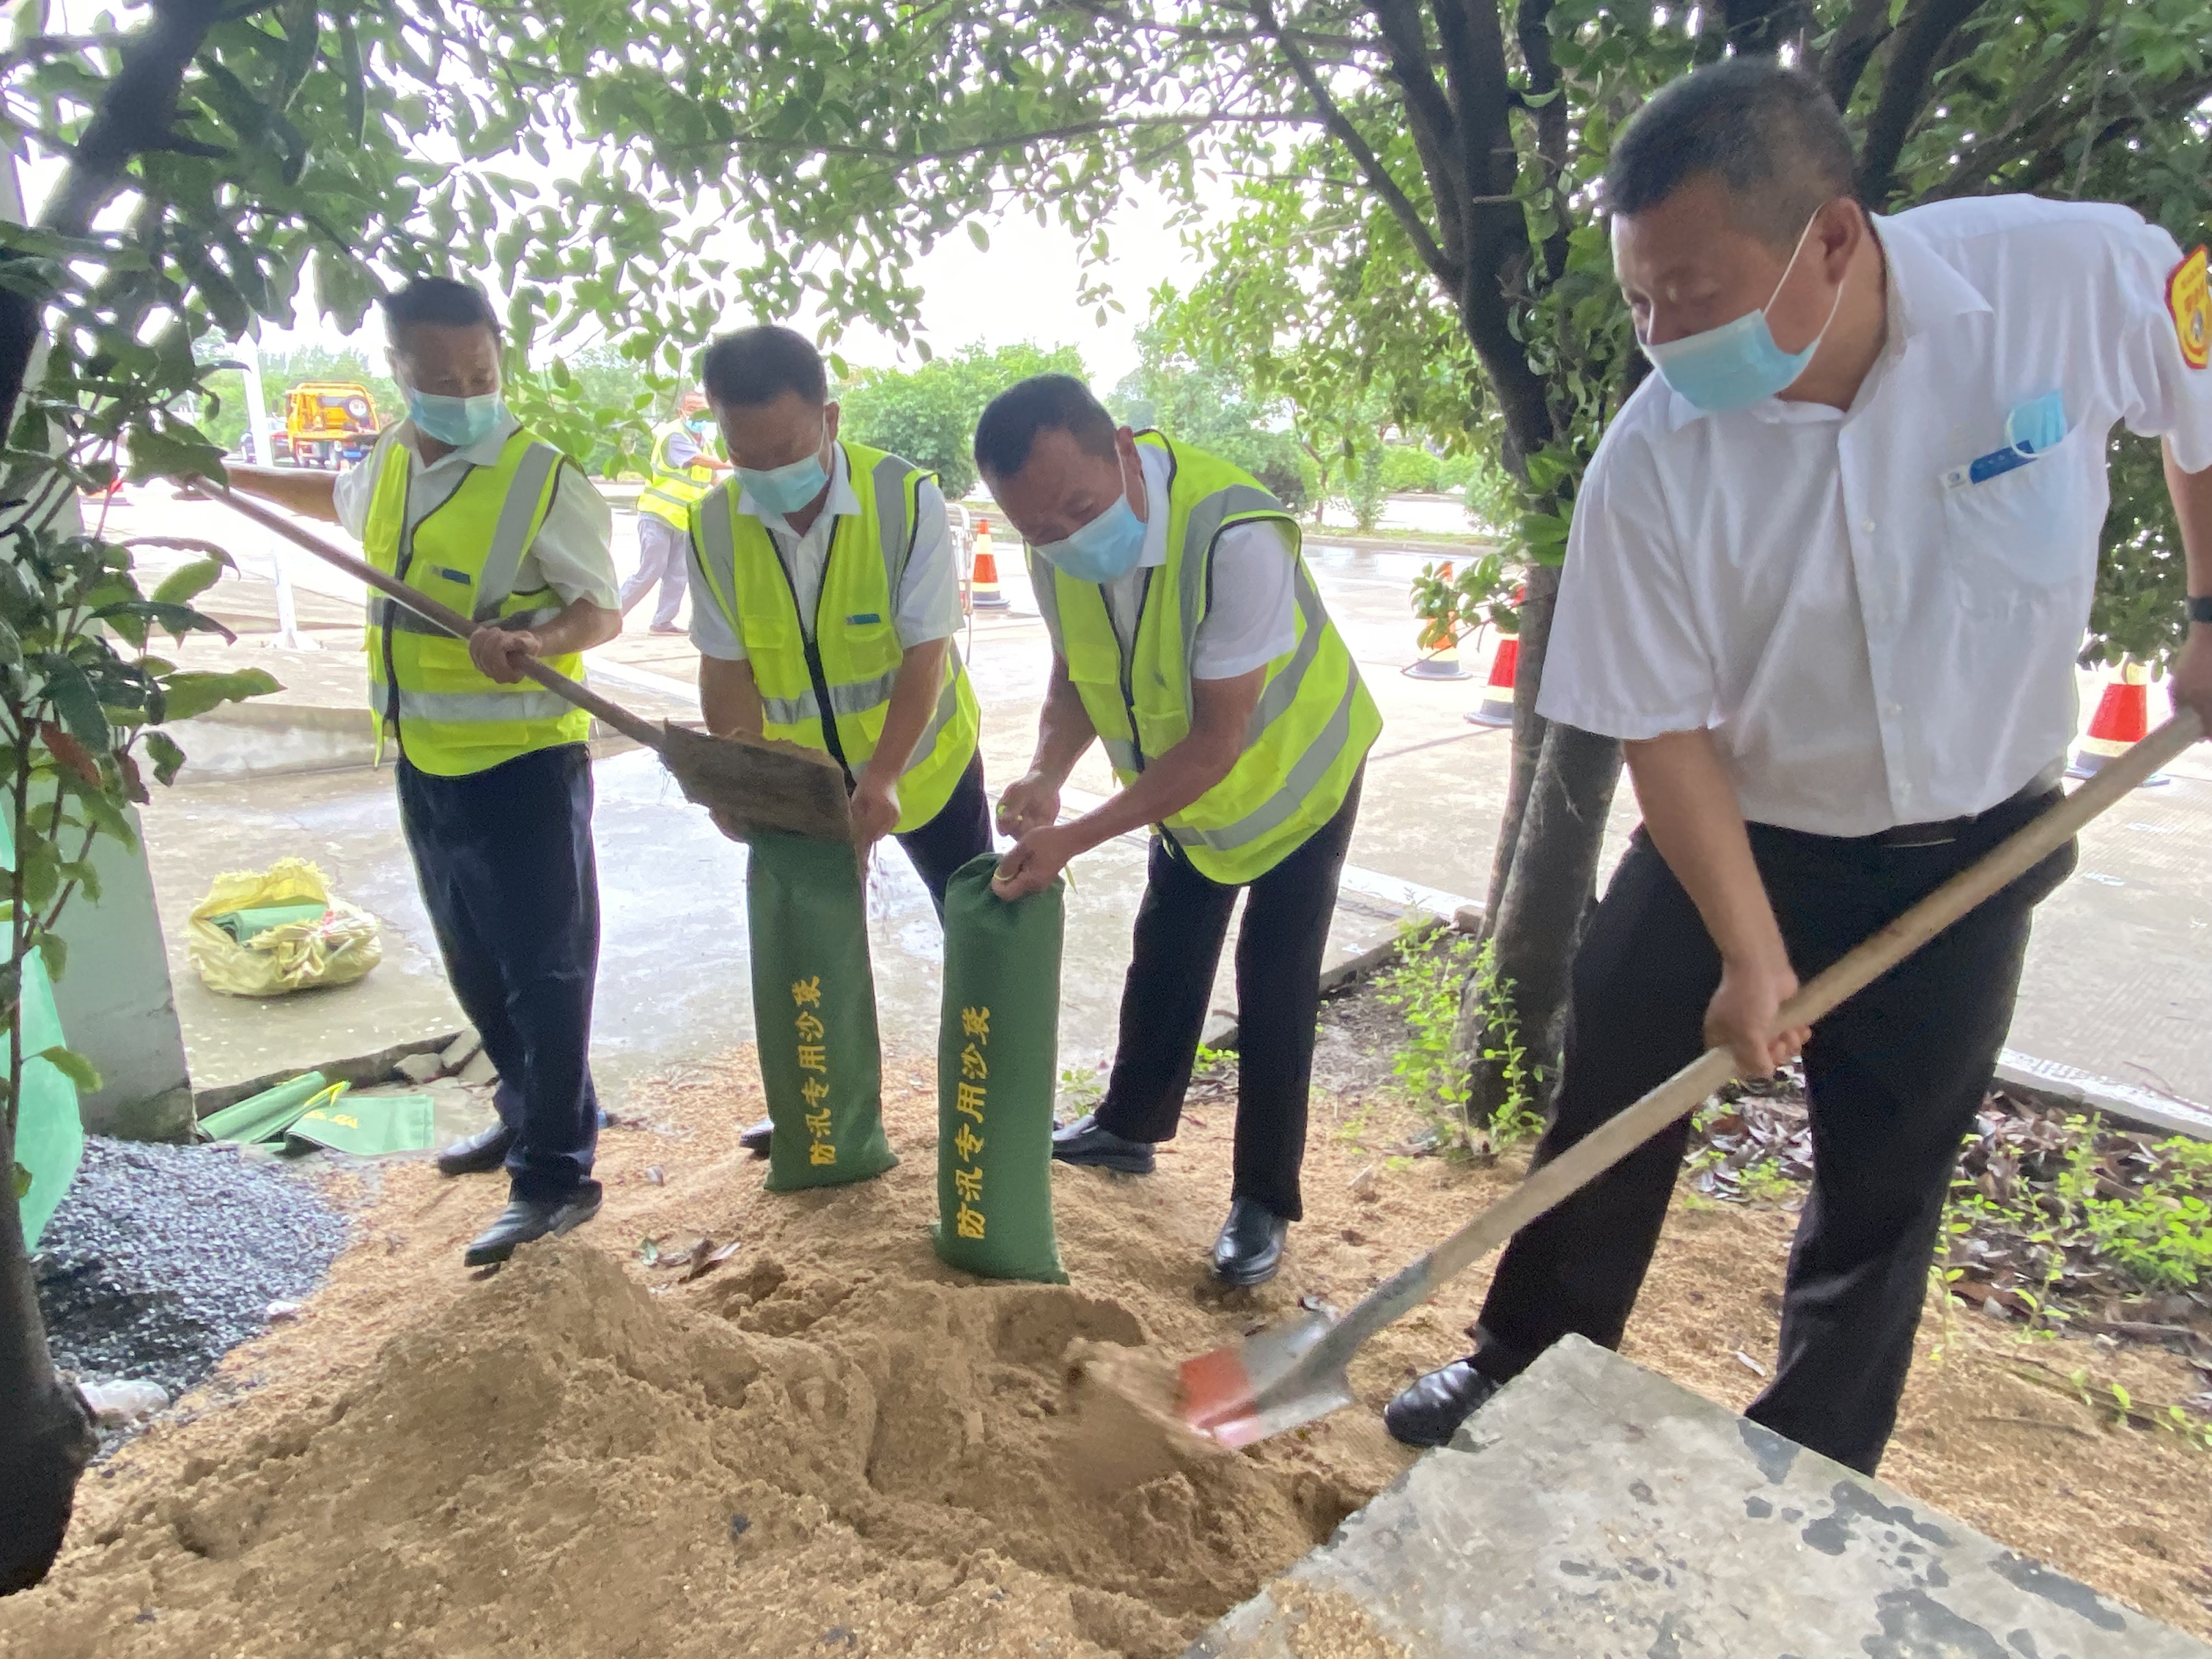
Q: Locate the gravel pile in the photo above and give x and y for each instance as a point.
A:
(162, 1259)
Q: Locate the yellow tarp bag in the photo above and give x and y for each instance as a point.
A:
(333, 946)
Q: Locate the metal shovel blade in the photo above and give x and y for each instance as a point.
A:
(1264, 1384)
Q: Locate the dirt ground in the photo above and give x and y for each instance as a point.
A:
(828, 1440)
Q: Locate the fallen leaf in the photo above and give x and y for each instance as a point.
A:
(653, 1174)
(1749, 1364)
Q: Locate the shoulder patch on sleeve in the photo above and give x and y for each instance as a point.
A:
(2189, 297)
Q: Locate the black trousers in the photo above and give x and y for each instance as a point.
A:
(508, 874)
(1894, 1077)
(1182, 922)
(960, 831)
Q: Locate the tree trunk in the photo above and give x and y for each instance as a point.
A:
(1543, 879)
(48, 1439)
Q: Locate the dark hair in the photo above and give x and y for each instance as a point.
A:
(438, 301)
(1043, 403)
(759, 365)
(1769, 134)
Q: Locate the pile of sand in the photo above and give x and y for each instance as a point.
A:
(829, 1442)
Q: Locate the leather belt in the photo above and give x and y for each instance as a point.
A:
(1942, 831)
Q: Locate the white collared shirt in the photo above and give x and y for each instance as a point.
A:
(1870, 644)
(574, 552)
(1253, 619)
(926, 606)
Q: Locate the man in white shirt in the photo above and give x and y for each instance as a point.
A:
(1189, 639)
(824, 601)
(462, 504)
(1827, 575)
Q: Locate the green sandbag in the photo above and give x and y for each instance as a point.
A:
(998, 1068)
(814, 1010)
(245, 925)
(266, 1115)
(367, 1125)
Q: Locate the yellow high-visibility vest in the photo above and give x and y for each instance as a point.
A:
(467, 552)
(673, 490)
(834, 696)
(1316, 721)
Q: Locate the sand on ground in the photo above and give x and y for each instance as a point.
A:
(828, 1440)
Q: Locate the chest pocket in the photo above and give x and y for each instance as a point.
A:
(2026, 537)
(452, 587)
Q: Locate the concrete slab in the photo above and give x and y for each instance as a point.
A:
(1597, 1510)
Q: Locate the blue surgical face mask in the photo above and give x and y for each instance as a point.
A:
(788, 488)
(1104, 550)
(460, 422)
(1737, 364)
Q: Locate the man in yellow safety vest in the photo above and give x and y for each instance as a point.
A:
(1187, 637)
(823, 603)
(683, 470)
(459, 502)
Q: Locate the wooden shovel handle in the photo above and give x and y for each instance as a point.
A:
(1613, 1140)
(611, 714)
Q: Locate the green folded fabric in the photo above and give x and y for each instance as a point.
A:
(365, 1126)
(244, 925)
(266, 1115)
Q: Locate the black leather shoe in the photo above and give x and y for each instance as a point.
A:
(526, 1219)
(1429, 1410)
(479, 1152)
(1250, 1246)
(755, 1139)
(1083, 1142)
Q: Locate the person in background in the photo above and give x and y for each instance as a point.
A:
(462, 503)
(824, 601)
(1189, 638)
(1828, 573)
(682, 469)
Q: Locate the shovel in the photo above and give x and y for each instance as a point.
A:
(750, 784)
(1294, 1372)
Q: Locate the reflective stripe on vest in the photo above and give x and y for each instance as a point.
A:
(855, 634)
(671, 492)
(466, 551)
(1314, 722)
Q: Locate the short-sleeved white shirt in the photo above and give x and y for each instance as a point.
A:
(1253, 619)
(574, 552)
(926, 606)
(1869, 643)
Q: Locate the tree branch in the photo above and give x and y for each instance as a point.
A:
(2043, 147)
(1533, 28)
(1850, 49)
(1341, 129)
(1905, 84)
(1762, 27)
(1434, 126)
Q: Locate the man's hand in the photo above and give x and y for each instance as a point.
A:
(1030, 803)
(875, 808)
(2190, 684)
(1037, 858)
(499, 653)
(1742, 1016)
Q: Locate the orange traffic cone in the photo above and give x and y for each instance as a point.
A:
(983, 592)
(1497, 706)
(1440, 657)
(2122, 720)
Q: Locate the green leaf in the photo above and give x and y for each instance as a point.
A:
(22, 1179)
(76, 701)
(978, 235)
(194, 692)
(53, 950)
(185, 583)
(168, 759)
(71, 1065)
